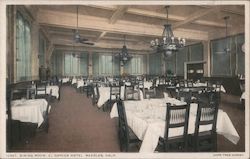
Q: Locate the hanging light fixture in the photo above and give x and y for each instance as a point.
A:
(124, 57)
(227, 49)
(168, 43)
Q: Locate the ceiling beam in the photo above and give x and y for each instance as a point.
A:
(226, 10)
(66, 20)
(120, 11)
(91, 49)
(162, 16)
(68, 35)
(104, 44)
(101, 36)
(195, 16)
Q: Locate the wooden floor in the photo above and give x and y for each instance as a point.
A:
(77, 126)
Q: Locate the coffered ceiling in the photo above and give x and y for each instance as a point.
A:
(107, 25)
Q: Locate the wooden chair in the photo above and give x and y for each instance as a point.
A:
(176, 117)
(115, 92)
(209, 86)
(206, 116)
(150, 93)
(185, 96)
(96, 94)
(41, 89)
(18, 93)
(190, 84)
(45, 125)
(125, 133)
(131, 93)
(181, 83)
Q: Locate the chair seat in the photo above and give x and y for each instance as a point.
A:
(177, 144)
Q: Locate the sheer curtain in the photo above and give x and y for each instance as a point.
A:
(76, 65)
(23, 49)
(136, 66)
(105, 65)
(155, 64)
(221, 65)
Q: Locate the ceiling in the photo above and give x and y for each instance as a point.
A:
(107, 25)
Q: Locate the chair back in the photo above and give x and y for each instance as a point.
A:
(96, 94)
(141, 84)
(218, 86)
(115, 91)
(18, 93)
(123, 125)
(181, 83)
(177, 117)
(206, 115)
(185, 96)
(41, 89)
(190, 83)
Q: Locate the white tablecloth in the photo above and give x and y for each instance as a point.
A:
(54, 89)
(222, 89)
(242, 96)
(74, 80)
(105, 95)
(29, 110)
(80, 83)
(65, 80)
(148, 84)
(147, 119)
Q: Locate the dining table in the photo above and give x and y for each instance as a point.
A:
(104, 93)
(147, 120)
(199, 86)
(54, 89)
(29, 110)
(65, 80)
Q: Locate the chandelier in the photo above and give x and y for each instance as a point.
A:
(168, 43)
(124, 57)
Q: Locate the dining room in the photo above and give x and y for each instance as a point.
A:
(138, 78)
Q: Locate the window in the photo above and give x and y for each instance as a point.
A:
(155, 64)
(76, 65)
(170, 64)
(84, 64)
(23, 49)
(105, 65)
(196, 52)
(181, 57)
(220, 60)
(240, 55)
(57, 63)
(136, 65)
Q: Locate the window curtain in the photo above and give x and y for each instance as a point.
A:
(155, 64)
(105, 65)
(84, 64)
(181, 57)
(95, 64)
(71, 65)
(240, 55)
(196, 52)
(57, 63)
(23, 49)
(136, 65)
(170, 64)
(220, 59)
